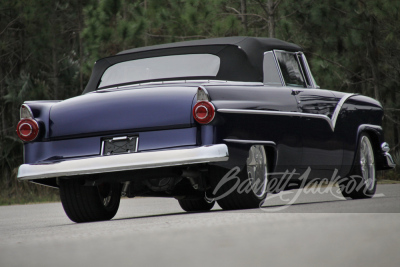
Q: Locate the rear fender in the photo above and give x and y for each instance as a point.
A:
(41, 111)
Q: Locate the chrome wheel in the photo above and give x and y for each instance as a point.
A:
(257, 170)
(367, 163)
(361, 181)
(249, 188)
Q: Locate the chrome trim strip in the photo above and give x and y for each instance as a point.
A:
(137, 144)
(169, 82)
(303, 71)
(277, 113)
(279, 69)
(120, 138)
(338, 108)
(102, 148)
(331, 122)
(179, 82)
(124, 162)
(308, 70)
(250, 142)
(236, 83)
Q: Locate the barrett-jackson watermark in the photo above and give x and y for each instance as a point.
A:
(285, 181)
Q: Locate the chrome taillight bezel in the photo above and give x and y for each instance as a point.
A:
(203, 101)
(34, 126)
(26, 118)
(210, 112)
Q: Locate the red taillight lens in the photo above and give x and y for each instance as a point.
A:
(27, 129)
(203, 112)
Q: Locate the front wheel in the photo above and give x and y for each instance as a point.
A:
(361, 182)
(89, 203)
(251, 183)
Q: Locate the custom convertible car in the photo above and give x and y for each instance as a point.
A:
(224, 120)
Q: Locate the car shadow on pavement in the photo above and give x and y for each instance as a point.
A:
(219, 210)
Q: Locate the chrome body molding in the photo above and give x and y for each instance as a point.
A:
(235, 83)
(338, 108)
(331, 121)
(277, 113)
(277, 67)
(202, 82)
(260, 142)
(124, 162)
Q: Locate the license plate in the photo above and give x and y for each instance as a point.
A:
(119, 145)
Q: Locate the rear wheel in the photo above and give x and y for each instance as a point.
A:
(196, 204)
(89, 203)
(361, 183)
(252, 189)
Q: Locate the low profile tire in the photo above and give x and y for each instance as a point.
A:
(193, 205)
(89, 203)
(361, 183)
(252, 189)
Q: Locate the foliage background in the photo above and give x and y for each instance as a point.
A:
(48, 47)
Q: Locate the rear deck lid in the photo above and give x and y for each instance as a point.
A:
(123, 110)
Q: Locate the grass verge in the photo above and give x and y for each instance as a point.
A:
(24, 192)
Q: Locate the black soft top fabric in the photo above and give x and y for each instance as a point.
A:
(241, 57)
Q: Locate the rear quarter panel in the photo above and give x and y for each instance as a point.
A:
(357, 112)
(283, 130)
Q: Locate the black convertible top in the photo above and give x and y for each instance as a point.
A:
(248, 44)
(241, 57)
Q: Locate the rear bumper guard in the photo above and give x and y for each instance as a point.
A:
(125, 162)
(389, 160)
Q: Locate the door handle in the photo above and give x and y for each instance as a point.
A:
(296, 92)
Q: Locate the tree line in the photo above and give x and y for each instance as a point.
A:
(48, 47)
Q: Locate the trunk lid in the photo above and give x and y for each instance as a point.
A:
(128, 110)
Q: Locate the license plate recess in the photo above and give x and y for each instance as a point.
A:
(119, 145)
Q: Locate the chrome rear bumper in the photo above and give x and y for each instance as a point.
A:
(134, 161)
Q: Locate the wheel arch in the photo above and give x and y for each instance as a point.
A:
(375, 132)
(269, 146)
(272, 155)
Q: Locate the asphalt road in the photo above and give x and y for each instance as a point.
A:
(319, 229)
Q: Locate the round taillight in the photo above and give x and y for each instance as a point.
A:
(27, 129)
(203, 112)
